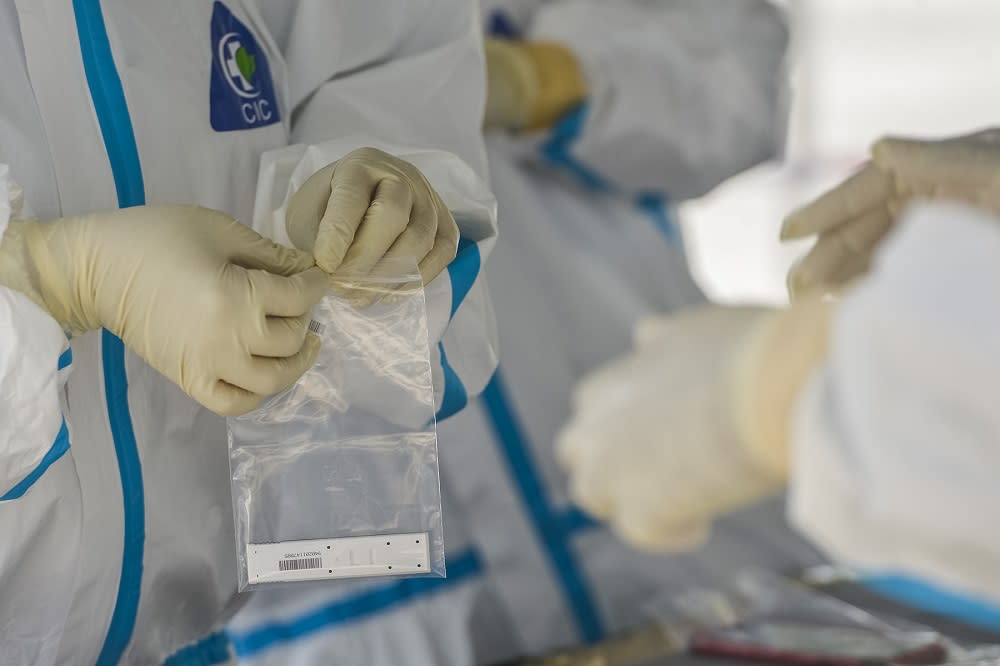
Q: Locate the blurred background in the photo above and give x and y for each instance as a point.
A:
(859, 69)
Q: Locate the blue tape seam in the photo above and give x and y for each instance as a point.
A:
(60, 445)
(354, 608)
(211, 650)
(108, 97)
(549, 526)
(557, 150)
(937, 600)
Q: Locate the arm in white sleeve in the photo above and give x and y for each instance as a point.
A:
(683, 93)
(407, 78)
(897, 437)
(31, 350)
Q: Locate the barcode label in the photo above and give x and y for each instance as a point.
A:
(316, 327)
(298, 565)
(400, 554)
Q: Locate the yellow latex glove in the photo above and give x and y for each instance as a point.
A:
(693, 423)
(530, 85)
(369, 205)
(851, 220)
(215, 307)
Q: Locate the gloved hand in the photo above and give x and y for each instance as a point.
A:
(218, 309)
(530, 85)
(852, 219)
(693, 423)
(369, 205)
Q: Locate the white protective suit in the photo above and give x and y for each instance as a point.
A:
(115, 506)
(684, 94)
(896, 435)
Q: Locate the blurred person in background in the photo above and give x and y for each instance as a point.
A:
(600, 116)
(872, 396)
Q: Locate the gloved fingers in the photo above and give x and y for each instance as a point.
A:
(935, 166)
(292, 296)
(280, 337)
(253, 251)
(836, 249)
(443, 251)
(306, 208)
(861, 235)
(867, 189)
(227, 400)
(863, 245)
(391, 213)
(987, 198)
(935, 163)
(351, 190)
(266, 376)
(848, 272)
(842, 253)
(649, 529)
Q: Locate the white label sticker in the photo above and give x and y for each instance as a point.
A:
(346, 557)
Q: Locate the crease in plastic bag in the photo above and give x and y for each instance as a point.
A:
(337, 477)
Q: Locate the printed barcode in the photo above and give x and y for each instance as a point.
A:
(316, 327)
(304, 563)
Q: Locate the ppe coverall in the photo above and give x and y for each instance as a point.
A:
(895, 434)
(115, 507)
(683, 95)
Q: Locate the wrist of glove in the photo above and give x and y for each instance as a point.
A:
(530, 85)
(768, 372)
(367, 206)
(851, 220)
(693, 423)
(29, 263)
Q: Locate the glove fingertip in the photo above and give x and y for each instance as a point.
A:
(797, 282)
(300, 261)
(311, 346)
(329, 260)
(228, 400)
(793, 228)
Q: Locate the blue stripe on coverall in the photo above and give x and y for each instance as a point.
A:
(554, 529)
(557, 150)
(209, 651)
(462, 271)
(550, 527)
(108, 98)
(937, 600)
(354, 608)
(60, 445)
(65, 359)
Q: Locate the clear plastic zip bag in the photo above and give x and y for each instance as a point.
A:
(337, 477)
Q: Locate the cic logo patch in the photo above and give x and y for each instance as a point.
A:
(242, 93)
